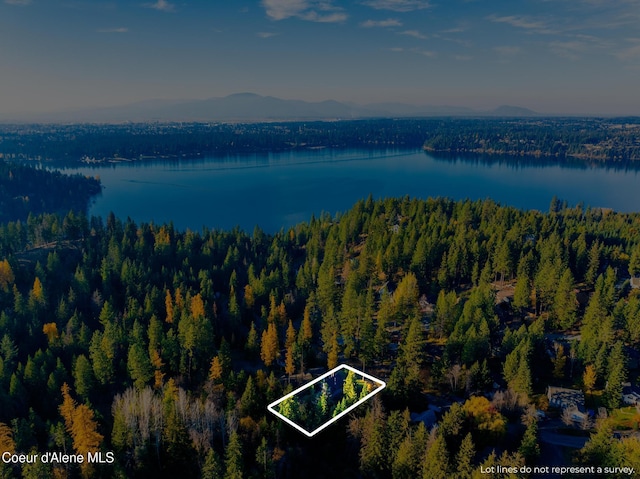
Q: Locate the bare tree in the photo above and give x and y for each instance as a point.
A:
(453, 375)
(567, 416)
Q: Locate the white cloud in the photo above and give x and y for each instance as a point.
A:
(397, 5)
(414, 34)
(113, 30)
(427, 53)
(266, 34)
(17, 2)
(520, 21)
(454, 30)
(162, 6)
(629, 53)
(395, 49)
(389, 22)
(322, 11)
(571, 50)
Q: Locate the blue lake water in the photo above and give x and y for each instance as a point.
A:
(279, 190)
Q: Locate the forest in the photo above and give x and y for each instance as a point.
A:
(611, 140)
(164, 347)
(25, 190)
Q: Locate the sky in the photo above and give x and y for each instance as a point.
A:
(553, 56)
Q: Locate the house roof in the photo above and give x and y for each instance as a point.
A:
(565, 397)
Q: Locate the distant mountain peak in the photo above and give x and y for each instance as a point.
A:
(245, 94)
(249, 106)
(510, 110)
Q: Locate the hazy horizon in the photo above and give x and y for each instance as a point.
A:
(577, 57)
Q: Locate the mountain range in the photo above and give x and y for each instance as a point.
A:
(247, 107)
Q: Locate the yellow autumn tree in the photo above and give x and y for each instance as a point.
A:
(249, 298)
(51, 331)
(332, 355)
(215, 371)
(197, 306)
(589, 378)
(168, 305)
(269, 349)
(81, 425)
(282, 314)
(485, 417)
(179, 300)
(162, 238)
(36, 296)
(84, 431)
(291, 335)
(158, 364)
(6, 439)
(6, 275)
(67, 407)
(307, 328)
(289, 366)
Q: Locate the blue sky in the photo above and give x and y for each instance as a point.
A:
(555, 56)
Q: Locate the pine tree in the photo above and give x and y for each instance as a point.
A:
(529, 447)
(252, 344)
(522, 293)
(436, 462)
(634, 262)
(349, 387)
(373, 451)
(139, 365)
(264, 460)
(616, 375)
(559, 363)
(212, 467)
(233, 464)
(332, 355)
(446, 313)
(565, 303)
(83, 376)
(249, 399)
(464, 458)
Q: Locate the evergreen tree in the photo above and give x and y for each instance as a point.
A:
(83, 376)
(264, 460)
(436, 461)
(565, 304)
(212, 468)
(464, 458)
(529, 447)
(233, 463)
(616, 376)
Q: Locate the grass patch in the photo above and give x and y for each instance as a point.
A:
(625, 418)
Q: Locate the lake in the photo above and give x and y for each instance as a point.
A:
(279, 190)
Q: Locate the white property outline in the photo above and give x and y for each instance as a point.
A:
(271, 406)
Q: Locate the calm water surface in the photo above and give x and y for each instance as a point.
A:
(281, 189)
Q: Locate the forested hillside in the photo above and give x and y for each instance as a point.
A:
(165, 346)
(25, 190)
(613, 140)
